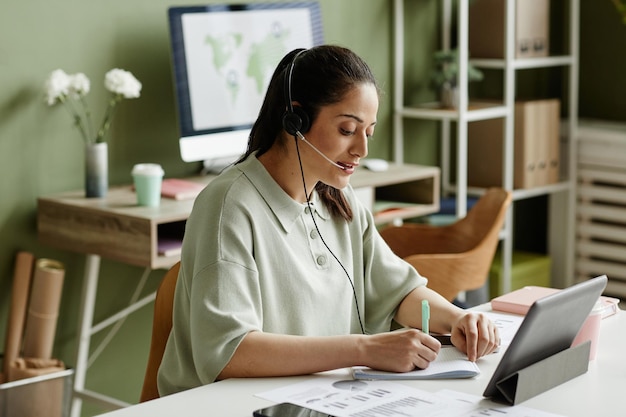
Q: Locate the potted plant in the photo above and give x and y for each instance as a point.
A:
(444, 76)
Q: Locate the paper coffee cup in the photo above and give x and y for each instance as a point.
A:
(590, 330)
(147, 179)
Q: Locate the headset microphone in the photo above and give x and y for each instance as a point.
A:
(296, 122)
(301, 136)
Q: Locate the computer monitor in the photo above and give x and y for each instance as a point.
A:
(223, 57)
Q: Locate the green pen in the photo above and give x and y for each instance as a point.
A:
(425, 316)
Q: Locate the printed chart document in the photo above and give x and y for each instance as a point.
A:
(507, 325)
(340, 397)
(450, 363)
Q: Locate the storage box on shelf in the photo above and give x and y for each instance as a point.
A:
(536, 147)
(526, 269)
(487, 30)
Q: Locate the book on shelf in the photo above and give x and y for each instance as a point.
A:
(169, 246)
(519, 301)
(451, 363)
(180, 189)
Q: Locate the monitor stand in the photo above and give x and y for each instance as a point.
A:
(217, 165)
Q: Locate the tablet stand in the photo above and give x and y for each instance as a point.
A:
(545, 374)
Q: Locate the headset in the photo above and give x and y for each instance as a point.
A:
(296, 119)
(296, 122)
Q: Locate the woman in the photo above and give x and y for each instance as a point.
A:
(282, 269)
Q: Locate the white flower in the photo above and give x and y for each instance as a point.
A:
(71, 90)
(79, 85)
(122, 82)
(57, 86)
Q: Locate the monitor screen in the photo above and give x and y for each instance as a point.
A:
(223, 58)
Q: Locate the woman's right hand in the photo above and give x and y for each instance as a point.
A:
(399, 351)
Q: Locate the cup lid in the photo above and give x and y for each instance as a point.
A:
(147, 169)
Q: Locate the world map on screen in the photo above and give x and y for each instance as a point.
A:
(261, 57)
(230, 58)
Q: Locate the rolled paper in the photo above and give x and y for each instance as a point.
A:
(43, 309)
(19, 301)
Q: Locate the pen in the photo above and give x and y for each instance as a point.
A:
(425, 316)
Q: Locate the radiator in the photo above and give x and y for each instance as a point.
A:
(601, 209)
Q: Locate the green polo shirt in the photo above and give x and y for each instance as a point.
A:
(253, 259)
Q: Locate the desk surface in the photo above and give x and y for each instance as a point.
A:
(116, 228)
(598, 392)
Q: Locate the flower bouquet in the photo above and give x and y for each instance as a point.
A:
(70, 90)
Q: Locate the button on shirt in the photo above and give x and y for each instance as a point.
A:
(253, 260)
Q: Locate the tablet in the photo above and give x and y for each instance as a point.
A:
(549, 327)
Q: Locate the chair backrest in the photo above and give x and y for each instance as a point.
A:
(456, 257)
(161, 327)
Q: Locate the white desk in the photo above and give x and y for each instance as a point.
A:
(598, 392)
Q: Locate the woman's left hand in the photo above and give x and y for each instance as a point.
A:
(475, 335)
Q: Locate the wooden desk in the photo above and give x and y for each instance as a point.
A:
(116, 228)
(595, 393)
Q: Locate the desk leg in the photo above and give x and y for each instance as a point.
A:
(87, 305)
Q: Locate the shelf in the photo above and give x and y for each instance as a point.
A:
(384, 214)
(478, 110)
(413, 188)
(524, 193)
(454, 139)
(527, 63)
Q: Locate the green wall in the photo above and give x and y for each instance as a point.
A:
(602, 62)
(41, 152)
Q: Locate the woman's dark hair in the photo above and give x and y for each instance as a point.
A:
(321, 76)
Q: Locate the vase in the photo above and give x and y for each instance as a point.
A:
(449, 97)
(96, 170)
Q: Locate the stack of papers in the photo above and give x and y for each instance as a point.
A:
(339, 397)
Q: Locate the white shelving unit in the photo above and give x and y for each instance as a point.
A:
(562, 199)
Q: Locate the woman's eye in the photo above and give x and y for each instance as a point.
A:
(346, 132)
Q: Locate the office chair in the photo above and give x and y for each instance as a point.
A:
(161, 326)
(456, 257)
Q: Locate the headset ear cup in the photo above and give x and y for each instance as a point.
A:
(291, 123)
(305, 121)
(296, 121)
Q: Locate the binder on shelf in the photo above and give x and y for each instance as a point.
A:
(545, 374)
(536, 146)
(487, 28)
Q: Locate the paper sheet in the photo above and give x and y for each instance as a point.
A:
(507, 325)
(342, 397)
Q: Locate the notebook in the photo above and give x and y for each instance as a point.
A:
(519, 301)
(179, 189)
(549, 327)
(450, 363)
